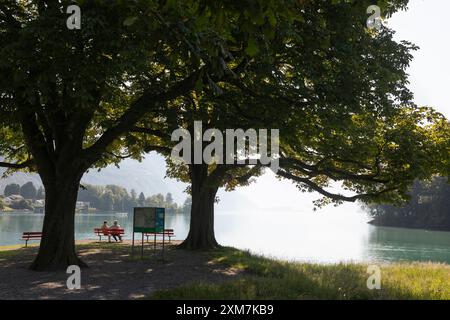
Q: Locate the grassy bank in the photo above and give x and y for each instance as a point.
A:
(271, 279)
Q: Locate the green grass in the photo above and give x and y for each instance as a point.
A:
(265, 278)
(11, 251)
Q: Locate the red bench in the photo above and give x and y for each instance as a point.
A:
(27, 236)
(109, 233)
(167, 233)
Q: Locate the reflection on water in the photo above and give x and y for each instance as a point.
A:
(394, 244)
(325, 237)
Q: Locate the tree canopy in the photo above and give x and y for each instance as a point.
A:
(69, 97)
(11, 189)
(338, 93)
(28, 190)
(428, 208)
(71, 100)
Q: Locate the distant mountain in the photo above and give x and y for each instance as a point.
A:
(148, 176)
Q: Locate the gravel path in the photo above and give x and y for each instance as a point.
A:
(112, 274)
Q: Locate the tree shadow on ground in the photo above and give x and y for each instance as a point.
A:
(113, 273)
(227, 273)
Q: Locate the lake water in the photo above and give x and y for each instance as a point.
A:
(316, 237)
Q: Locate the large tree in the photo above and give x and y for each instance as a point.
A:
(68, 98)
(28, 190)
(338, 93)
(11, 189)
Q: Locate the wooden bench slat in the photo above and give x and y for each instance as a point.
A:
(109, 232)
(31, 235)
(166, 233)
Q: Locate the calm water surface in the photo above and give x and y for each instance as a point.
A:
(324, 237)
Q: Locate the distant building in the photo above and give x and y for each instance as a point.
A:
(12, 198)
(424, 199)
(82, 206)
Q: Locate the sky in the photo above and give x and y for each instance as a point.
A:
(426, 24)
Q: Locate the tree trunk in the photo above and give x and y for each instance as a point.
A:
(57, 248)
(201, 232)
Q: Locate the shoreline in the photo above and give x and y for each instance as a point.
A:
(82, 242)
(76, 213)
(123, 213)
(174, 242)
(376, 224)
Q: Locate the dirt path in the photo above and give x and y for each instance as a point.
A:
(112, 274)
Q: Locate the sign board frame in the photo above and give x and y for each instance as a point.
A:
(148, 220)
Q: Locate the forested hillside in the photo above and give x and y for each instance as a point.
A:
(146, 176)
(429, 208)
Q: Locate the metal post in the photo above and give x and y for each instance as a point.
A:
(164, 236)
(132, 244)
(142, 247)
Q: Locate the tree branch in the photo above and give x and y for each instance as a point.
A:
(160, 149)
(334, 196)
(119, 156)
(137, 110)
(333, 173)
(25, 164)
(153, 132)
(9, 18)
(36, 142)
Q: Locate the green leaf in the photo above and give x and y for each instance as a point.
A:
(130, 21)
(252, 47)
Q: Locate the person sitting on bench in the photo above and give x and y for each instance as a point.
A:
(115, 235)
(105, 228)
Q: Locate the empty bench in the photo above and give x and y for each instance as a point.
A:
(27, 236)
(109, 233)
(167, 233)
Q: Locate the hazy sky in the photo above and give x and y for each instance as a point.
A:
(426, 24)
